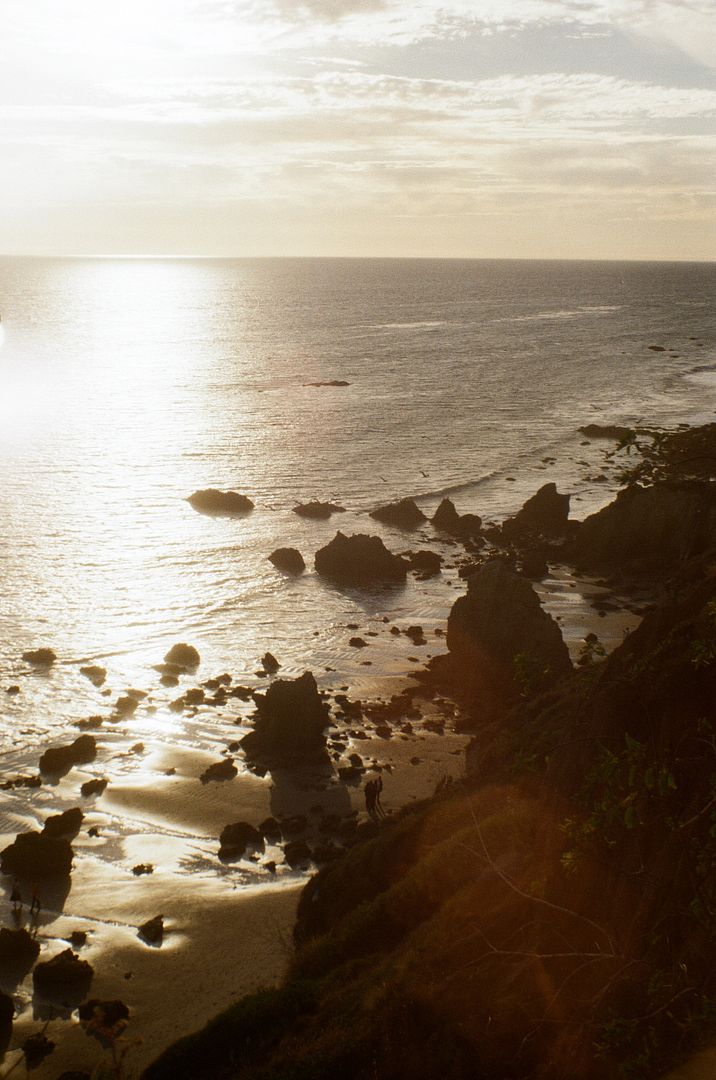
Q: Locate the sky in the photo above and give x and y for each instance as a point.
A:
(435, 128)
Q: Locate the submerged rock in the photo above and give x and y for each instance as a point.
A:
(320, 511)
(288, 559)
(405, 514)
(65, 824)
(500, 637)
(61, 758)
(33, 855)
(290, 721)
(40, 657)
(183, 656)
(359, 560)
(269, 663)
(64, 977)
(211, 501)
(545, 514)
(425, 562)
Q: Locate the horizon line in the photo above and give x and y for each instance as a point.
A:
(110, 257)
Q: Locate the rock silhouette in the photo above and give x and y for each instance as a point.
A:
(405, 514)
(321, 511)
(288, 559)
(61, 758)
(545, 514)
(211, 501)
(359, 560)
(64, 978)
(34, 856)
(290, 721)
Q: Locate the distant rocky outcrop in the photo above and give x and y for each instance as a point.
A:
(288, 559)
(447, 519)
(499, 636)
(660, 525)
(61, 758)
(359, 560)
(605, 431)
(211, 501)
(405, 514)
(320, 511)
(34, 856)
(290, 722)
(545, 514)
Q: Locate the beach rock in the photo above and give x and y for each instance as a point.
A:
(40, 657)
(290, 721)
(66, 824)
(534, 565)
(269, 827)
(425, 562)
(221, 770)
(65, 977)
(321, 511)
(94, 673)
(606, 431)
(297, 853)
(288, 559)
(143, 868)
(236, 838)
(447, 519)
(13, 690)
(357, 643)
(183, 655)
(404, 514)
(545, 514)
(498, 623)
(211, 501)
(18, 950)
(104, 1015)
(270, 663)
(61, 758)
(125, 705)
(35, 1049)
(359, 560)
(660, 525)
(152, 931)
(93, 787)
(195, 696)
(78, 938)
(35, 856)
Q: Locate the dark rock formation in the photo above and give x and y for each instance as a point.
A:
(236, 838)
(605, 431)
(211, 501)
(269, 663)
(61, 758)
(94, 673)
(65, 978)
(660, 525)
(93, 787)
(359, 560)
(183, 655)
(288, 559)
(534, 564)
(143, 868)
(403, 514)
(105, 1014)
(320, 511)
(297, 853)
(35, 856)
(425, 562)
(66, 824)
(221, 770)
(290, 721)
(447, 519)
(40, 657)
(545, 514)
(126, 705)
(152, 931)
(357, 643)
(498, 631)
(18, 951)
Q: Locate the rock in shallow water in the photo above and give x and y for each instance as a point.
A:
(211, 501)
(40, 657)
(63, 978)
(320, 511)
(288, 559)
(66, 824)
(290, 722)
(359, 560)
(236, 838)
(35, 856)
(183, 655)
(404, 514)
(61, 758)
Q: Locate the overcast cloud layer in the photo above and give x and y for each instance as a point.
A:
(488, 128)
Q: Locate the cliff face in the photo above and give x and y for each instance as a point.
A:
(554, 918)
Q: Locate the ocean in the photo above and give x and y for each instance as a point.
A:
(126, 384)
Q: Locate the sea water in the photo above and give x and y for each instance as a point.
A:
(125, 385)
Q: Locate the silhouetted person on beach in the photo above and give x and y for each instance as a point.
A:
(16, 898)
(35, 905)
(371, 795)
(377, 805)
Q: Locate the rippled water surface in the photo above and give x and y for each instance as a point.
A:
(126, 385)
